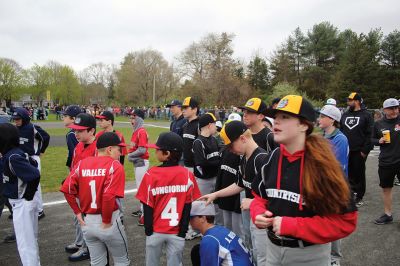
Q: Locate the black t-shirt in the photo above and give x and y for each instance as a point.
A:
(227, 175)
(248, 169)
(206, 157)
(190, 133)
(265, 139)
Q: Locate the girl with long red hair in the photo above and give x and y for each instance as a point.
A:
(301, 195)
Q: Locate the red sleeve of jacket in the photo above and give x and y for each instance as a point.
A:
(320, 229)
(257, 206)
(71, 199)
(108, 207)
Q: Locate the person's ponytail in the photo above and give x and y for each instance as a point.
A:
(325, 188)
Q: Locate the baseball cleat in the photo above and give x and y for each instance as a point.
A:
(9, 239)
(81, 254)
(41, 215)
(137, 213)
(72, 248)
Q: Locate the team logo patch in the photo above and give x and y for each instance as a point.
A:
(397, 127)
(352, 122)
(77, 120)
(282, 104)
(250, 103)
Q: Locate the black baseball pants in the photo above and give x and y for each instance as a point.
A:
(357, 174)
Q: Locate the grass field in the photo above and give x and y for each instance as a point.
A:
(53, 162)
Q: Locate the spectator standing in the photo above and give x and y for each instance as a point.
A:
(356, 125)
(386, 135)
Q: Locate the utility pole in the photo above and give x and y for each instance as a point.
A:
(154, 90)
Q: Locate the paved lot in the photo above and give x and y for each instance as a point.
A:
(369, 245)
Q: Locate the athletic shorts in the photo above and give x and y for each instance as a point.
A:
(387, 174)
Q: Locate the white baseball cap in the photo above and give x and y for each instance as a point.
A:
(234, 117)
(331, 101)
(332, 112)
(218, 124)
(199, 208)
(391, 102)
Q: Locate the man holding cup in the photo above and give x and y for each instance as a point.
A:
(386, 134)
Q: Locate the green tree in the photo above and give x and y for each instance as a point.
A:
(258, 74)
(296, 46)
(11, 80)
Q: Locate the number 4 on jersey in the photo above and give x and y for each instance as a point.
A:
(170, 213)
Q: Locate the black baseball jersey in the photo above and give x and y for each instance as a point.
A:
(190, 133)
(357, 126)
(265, 139)
(248, 169)
(227, 175)
(206, 157)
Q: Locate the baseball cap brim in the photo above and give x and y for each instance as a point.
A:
(101, 117)
(248, 109)
(73, 126)
(122, 144)
(152, 146)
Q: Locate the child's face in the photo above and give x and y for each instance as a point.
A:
(84, 135)
(103, 123)
(161, 157)
(68, 120)
(325, 122)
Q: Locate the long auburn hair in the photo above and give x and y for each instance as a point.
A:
(325, 188)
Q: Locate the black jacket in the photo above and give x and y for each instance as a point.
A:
(357, 127)
(390, 152)
(206, 157)
(227, 175)
(177, 125)
(190, 133)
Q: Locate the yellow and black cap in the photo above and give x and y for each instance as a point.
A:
(231, 131)
(355, 96)
(295, 105)
(190, 102)
(255, 105)
(206, 119)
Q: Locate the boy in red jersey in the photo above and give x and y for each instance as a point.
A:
(98, 182)
(106, 122)
(138, 153)
(84, 127)
(167, 192)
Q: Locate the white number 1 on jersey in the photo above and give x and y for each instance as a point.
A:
(92, 185)
(170, 212)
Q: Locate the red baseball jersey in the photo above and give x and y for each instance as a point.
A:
(167, 190)
(83, 151)
(121, 137)
(140, 138)
(91, 179)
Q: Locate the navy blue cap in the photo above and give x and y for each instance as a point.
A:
(73, 111)
(175, 103)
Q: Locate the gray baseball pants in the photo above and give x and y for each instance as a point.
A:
(100, 240)
(315, 255)
(174, 246)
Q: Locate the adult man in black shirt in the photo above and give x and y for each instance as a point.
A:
(356, 124)
(179, 121)
(253, 115)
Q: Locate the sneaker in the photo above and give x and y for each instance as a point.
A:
(396, 181)
(137, 213)
(72, 248)
(81, 254)
(10, 216)
(359, 203)
(41, 215)
(335, 263)
(141, 221)
(9, 239)
(192, 235)
(384, 219)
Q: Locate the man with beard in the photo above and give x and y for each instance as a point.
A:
(356, 125)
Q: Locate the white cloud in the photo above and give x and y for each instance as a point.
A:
(79, 33)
